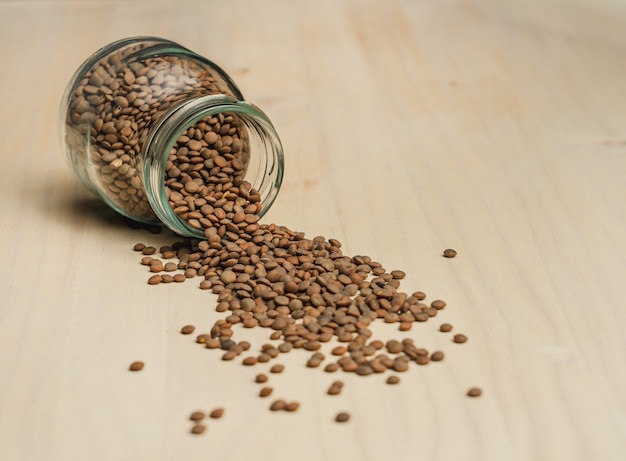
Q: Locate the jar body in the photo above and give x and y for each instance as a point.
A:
(156, 130)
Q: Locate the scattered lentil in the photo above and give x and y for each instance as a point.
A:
(198, 429)
(449, 253)
(437, 356)
(187, 329)
(197, 416)
(292, 406)
(474, 392)
(331, 367)
(216, 413)
(335, 388)
(136, 366)
(393, 379)
(155, 280)
(459, 338)
(438, 304)
(278, 405)
(249, 361)
(266, 391)
(278, 368)
(342, 417)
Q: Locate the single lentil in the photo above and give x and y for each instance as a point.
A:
(331, 367)
(216, 413)
(249, 361)
(197, 416)
(266, 391)
(459, 338)
(292, 406)
(278, 405)
(437, 356)
(438, 304)
(335, 388)
(187, 329)
(136, 366)
(474, 392)
(278, 368)
(198, 429)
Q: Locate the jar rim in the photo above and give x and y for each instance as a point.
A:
(268, 172)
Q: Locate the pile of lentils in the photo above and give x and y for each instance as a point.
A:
(305, 292)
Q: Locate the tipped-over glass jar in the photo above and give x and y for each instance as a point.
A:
(164, 135)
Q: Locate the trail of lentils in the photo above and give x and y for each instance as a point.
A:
(306, 292)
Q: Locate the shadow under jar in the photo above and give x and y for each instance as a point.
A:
(164, 135)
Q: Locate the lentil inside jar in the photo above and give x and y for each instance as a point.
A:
(142, 94)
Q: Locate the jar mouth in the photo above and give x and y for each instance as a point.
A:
(264, 168)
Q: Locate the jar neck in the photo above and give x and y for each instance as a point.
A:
(266, 161)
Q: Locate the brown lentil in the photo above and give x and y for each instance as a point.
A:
(198, 429)
(187, 329)
(400, 365)
(459, 338)
(335, 388)
(136, 366)
(339, 350)
(266, 391)
(393, 379)
(342, 417)
(249, 361)
(437, 356)
(438, 304)
(230, 355)
(445, 327)
(278, 405)
(278, 368)
(197, 416)
(292, 406)
(216, 413)
(449, 253)
(148, 250)
(394, 346)
(474, 392)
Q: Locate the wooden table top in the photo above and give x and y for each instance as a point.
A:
(494, 128)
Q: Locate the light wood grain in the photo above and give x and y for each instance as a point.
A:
(495, 128)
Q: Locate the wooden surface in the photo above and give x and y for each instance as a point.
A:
(497, 128)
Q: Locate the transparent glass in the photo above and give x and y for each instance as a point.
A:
(132, 105)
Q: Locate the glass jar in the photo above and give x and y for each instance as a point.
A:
(158, 132)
